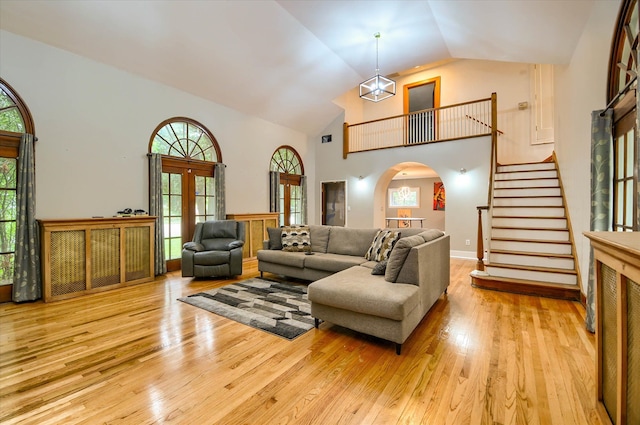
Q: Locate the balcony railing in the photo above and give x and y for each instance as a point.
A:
(460, 121)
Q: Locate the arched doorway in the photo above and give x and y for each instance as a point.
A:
(407, 190)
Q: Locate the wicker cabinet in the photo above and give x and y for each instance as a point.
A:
(255, 226)
(617, 280)
(81, 256)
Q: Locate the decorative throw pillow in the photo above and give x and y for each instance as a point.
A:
(275, 237)
(296, 238)
(382, 245)
(379, 268)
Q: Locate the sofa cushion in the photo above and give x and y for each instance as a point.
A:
(431, 234)
(220, 229)
(349, 241)
(319, 237)
(332, 262)
(275, 237)
(356, 290)
(399, 254)
(293, 259)
(211, 258)
(296, 238)
(382, 245)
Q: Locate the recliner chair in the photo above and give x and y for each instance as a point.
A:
(216, 249)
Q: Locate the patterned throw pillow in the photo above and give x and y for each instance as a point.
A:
(296, 238)
(382, 245)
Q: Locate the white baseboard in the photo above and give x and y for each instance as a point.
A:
(470, 255)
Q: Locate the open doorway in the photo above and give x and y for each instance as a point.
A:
(411, 194)
(334, 203)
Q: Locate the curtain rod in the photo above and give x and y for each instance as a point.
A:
(616, 97)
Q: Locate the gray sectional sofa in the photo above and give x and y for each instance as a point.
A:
(345, 292)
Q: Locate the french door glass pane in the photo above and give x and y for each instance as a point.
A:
(6, 269)
(172, 206)
(620, 165)
(628, 216)
(7, 218)
(205, 201)
(630, 153)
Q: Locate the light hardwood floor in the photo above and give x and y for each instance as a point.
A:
(138, 356)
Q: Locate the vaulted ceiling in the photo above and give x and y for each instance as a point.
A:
(286, 61)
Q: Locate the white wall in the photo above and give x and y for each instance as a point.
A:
(581, 88)
(94, 123)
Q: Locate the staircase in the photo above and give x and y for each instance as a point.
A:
(531, 249)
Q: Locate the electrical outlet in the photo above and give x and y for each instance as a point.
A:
(467, 242)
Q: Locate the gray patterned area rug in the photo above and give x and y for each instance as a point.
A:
(275, 307)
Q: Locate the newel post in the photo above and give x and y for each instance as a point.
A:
(480, 241)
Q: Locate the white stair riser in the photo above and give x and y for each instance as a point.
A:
(527, 202)
(526, 183)
(545, 277)
(536, 235)
(547, 248)
(550, 191)
(555, 212)
(526, 167)
(524, 223)
(535, 261)
(527, 175)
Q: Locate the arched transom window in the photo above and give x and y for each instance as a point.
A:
(185, 138)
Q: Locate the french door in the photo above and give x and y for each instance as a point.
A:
(188, 198)
(290, 199)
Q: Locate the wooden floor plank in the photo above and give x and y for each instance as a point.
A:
(137, 355)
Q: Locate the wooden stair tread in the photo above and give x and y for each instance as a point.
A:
(532, 268)
(526, 197)
(528, 228)
(531, 217)
(527, 179)
(531, 241)
(532, 254)
(527, 287)
(527, 206)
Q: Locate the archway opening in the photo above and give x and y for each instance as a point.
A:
(410, 194)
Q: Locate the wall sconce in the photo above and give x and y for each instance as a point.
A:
(463, 171)
(360, 178)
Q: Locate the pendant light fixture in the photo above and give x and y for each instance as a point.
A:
(378, 87)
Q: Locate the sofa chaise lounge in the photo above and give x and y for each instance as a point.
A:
(388, 305)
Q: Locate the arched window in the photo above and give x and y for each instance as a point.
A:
(189, 155)
(623, 71)
(291, 202)
(15, 119)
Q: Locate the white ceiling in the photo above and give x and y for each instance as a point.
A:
(286, 61)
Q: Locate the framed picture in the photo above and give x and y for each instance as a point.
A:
(439, 198)
(404, 197)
